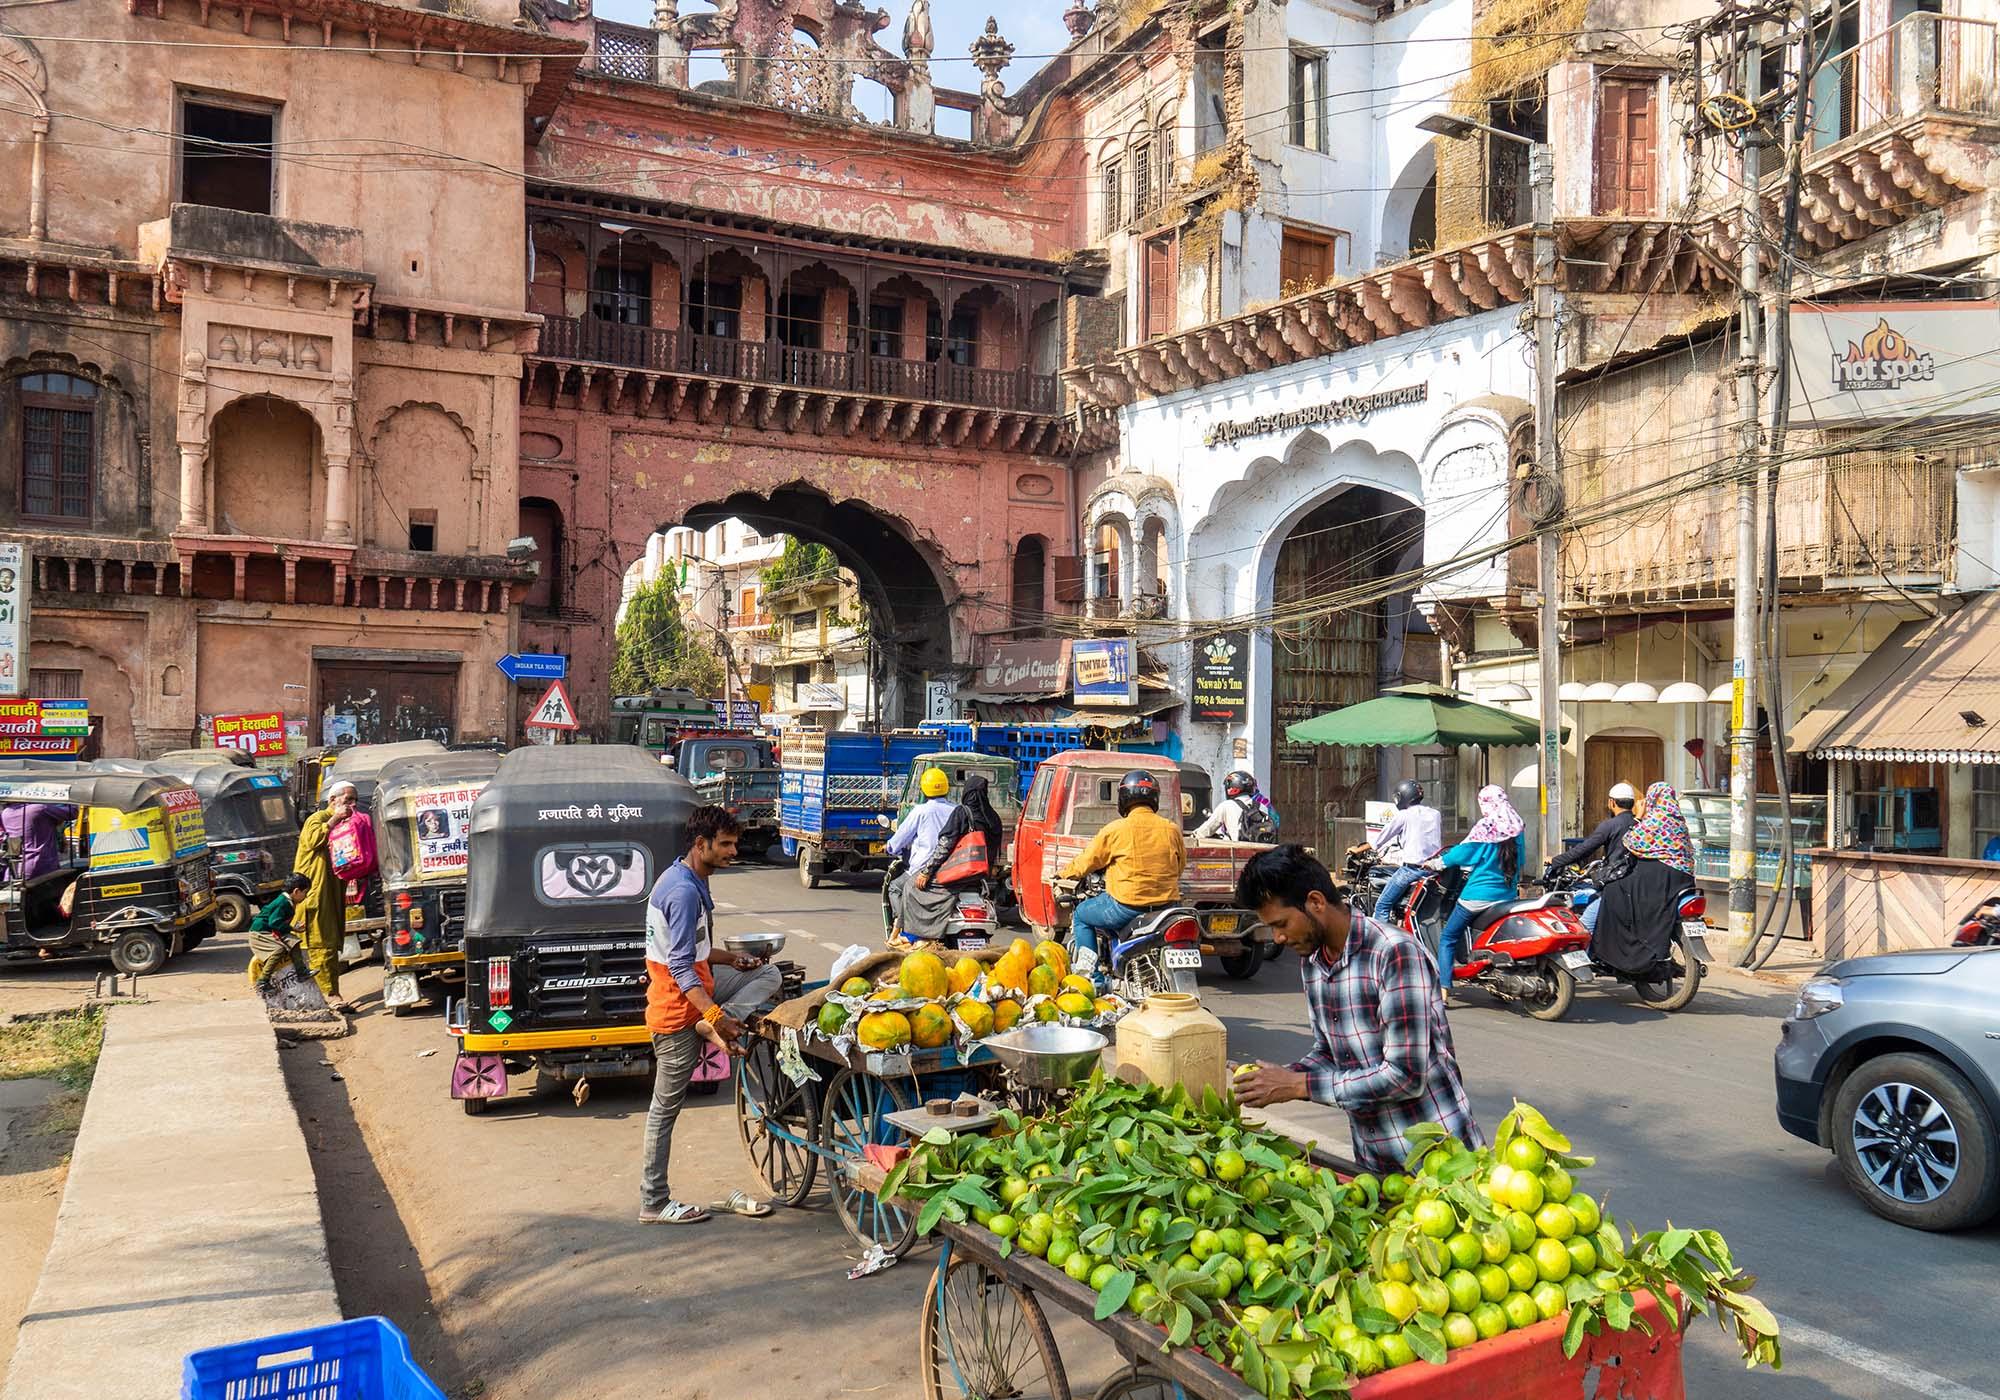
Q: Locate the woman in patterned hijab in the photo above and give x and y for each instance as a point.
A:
(1641, 904)
(1661, 833)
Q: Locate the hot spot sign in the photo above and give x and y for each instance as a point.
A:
(262, 735)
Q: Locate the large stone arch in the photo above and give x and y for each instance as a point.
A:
(265, 456)
(1400, 233)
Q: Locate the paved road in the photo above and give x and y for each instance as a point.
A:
(506, 1243)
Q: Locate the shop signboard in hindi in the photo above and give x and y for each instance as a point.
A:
(738, 714)
(262, 736)
(1222, 679)
(1102, 672)
(16, 566)
(43, 728)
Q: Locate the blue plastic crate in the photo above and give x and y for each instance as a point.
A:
(365, 1358)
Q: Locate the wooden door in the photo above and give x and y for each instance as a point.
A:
(1161, 278)
(1628, 154)
(1640, 760)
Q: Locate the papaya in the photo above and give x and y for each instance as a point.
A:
(884, 1030)
(856, 987)
(1045, 1011)
(1054, 955)
(923, 975)
(1077, 983)
(832, 1017)
(930, 1027)
(964, 973)
(1105, 1005)
(1006, 1012)
(981, 1019)
(1024, 948)
(1042, 981)
(885, 994)
(1074, 1004)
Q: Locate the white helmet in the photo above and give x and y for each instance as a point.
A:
(1624, 792)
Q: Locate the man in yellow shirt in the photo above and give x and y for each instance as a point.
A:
(1142, 857)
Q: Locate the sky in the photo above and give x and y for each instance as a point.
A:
(1035, 28)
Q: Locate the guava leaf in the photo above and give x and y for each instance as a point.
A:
(1426, 1344)
(1579, 1319)
(1182, 1328)
(928, 1217)
(1117, 1289)
(1618, 1310)
(1535, 1126)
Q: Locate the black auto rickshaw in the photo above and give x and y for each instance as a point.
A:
(133, 863)
(362, 765)
(566, 846)
(253, 829)
(423, 816)
(1197, 795)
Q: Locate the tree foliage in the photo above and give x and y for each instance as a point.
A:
(802, 562)
(656, 647)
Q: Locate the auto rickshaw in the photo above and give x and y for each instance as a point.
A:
(1197, 795)
(1073, 796)
(136, 853)
(423, 814)
(362, 765)
(566, 845)
(253, 829)
(309, 776)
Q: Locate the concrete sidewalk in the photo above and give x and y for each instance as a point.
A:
(190, 1218)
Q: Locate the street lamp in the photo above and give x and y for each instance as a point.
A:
(1541, 184)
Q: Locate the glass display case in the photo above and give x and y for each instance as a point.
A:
(1707, 816)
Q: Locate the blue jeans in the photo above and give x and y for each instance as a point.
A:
(1100, 916)
(1590, 913)
(1398, 886)
(1449, 939)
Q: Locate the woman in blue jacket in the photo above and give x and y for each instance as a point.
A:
(1491, 853)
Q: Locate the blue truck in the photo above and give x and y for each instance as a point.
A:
(835, 790)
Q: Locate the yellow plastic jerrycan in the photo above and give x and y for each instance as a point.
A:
(1173, 1040)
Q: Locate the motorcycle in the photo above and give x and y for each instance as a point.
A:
(1159, 952)
(1531, 951)
(974, 922)
(1980, 928)
(1365, 878)
(1673, 984)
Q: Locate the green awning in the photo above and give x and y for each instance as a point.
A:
(1414, 715)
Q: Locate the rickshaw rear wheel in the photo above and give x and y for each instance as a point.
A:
(232, 912)
(856, 1105)
(786, 1168)
(139, 952)
(981, 1336)
(1241, 967)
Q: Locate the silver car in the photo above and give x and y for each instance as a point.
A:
(1893, 1061)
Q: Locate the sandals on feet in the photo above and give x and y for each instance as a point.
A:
(674, 1213)
(741, 1203)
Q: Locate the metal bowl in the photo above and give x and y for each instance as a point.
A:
(1048, 1057)
(756, 945)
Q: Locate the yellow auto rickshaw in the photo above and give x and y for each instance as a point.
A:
(125, 874)
(423, 812)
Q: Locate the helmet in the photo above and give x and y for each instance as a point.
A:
(1240, 783)
(1409, 793)
(1138, 789)
(1624, 792)
(934, 783)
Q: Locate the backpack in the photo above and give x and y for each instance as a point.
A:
(351, 844)
(1259, 823)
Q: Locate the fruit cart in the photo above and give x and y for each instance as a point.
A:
(983, 1332)
(789, 1129)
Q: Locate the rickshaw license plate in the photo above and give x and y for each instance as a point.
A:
(400, 989)
(1183, 959)
(1222, 923)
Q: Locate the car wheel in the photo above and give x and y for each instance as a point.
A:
(1916, 1143)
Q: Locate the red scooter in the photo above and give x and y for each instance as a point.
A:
(1525, 950)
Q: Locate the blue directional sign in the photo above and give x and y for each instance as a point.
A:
(532, 666)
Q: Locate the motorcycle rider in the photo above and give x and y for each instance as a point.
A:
(1653, 867)
(1242, 815)
(1620, 801)
(930, 895)
(1142, 857)
(916, 840)
(1491, 853)
(1408, 839)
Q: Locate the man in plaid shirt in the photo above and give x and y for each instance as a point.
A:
(1381, 1046)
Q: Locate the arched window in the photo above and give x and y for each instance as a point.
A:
(58, 446)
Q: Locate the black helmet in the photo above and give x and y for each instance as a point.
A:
(1409, 793)
(1138, 788)
(1240, 783)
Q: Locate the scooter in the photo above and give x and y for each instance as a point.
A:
(1674, 984)
(1159, 952)
(1531, 951)
(974, 921)
(1980, 928)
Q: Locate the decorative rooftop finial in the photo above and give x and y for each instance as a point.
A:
(991, 53)
(918, 42)
(1077, 19)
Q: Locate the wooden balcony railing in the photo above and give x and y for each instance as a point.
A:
(591, 340)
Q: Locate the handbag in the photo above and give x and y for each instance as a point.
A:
(351, 845)
(968, 860)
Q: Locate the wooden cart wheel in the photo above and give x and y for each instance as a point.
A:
(856, 1105)
(982, 1338)
(764, 1094)
(1138, 1384)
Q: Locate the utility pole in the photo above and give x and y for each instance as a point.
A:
(1548, 545)
(1749, 365)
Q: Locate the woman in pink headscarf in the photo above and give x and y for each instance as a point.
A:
(1491, 854)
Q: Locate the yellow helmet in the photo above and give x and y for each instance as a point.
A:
(934, 783)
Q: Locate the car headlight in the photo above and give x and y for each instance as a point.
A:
(1817, 997)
